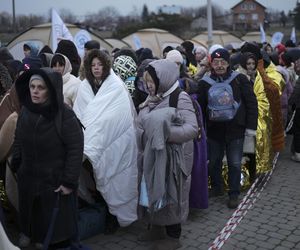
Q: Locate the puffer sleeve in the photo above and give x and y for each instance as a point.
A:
(189, 128)
(72, 137)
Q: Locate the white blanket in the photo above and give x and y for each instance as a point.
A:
(110, 144)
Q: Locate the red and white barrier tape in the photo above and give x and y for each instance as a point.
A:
(250, 198)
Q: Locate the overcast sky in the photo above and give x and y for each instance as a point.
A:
(83, 7)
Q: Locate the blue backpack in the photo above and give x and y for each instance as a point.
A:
(221, 104)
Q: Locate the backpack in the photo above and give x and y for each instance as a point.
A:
(173, 101)
(221, 104)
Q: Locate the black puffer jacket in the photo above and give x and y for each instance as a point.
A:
(246, 116)
(47, 153)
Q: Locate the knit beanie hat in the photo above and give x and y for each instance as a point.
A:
(214, 47)
(36, 77)
(31, 63)
(221, 53)
(175, 56)
(188, 46)
(92, 44)
(167, 49)
(200, 49)
(281, 48)
(124, 67)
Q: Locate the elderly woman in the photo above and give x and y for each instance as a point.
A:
(167, 128)
(47, 156)
(105, 109)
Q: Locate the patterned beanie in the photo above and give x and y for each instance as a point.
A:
(124, 67)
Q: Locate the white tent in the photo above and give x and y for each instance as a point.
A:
(219, 37)
(255, 37)
(40, 35)
(154, 39)
(116, 43)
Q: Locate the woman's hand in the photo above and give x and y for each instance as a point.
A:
(64, 190)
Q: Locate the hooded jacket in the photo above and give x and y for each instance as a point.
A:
(47, 153)
(181, 133)
(70, 83)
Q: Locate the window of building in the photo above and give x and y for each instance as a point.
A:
(254, 16)
(244, 6)
(252, 6)
(242, 16)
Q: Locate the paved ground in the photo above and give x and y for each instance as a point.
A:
(273, 222)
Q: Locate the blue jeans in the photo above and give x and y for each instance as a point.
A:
(234, 154)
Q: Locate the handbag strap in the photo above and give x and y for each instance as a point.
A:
(52, 223)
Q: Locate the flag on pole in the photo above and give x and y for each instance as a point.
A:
(293, 35)
(59, 30)
(277, 38)
(262, 33)
(80, 38)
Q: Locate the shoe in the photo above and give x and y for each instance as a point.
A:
(38, 246)
(166, 244)
(296, 157)
(24, 241)
(233, 202)
(155, 233)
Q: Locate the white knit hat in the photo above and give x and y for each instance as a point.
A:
(215, 47)
(175, 56)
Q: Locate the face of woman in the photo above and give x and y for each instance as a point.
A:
(150, 85)
(250, 65)
(58, 68)
(38, 91)
(97, 68)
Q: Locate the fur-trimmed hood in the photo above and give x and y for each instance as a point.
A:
(5, 80)
(106, 62)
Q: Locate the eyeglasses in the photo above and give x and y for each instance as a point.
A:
(217, 62)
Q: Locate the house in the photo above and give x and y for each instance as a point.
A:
(247, 15)
(169, 9)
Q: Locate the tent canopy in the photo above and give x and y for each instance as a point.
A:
(116, 43)
(219, 37)
(255, 37)
(40, 35)
(154, 39)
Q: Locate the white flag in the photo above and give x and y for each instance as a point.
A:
(80, 38)
(262, 33)
(59, 30)
(276, 38)
(293, 35)
(137, 41)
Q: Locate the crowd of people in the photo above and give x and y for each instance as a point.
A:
(148, 136)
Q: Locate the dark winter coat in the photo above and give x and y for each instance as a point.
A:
(246, 116)
(47, 153)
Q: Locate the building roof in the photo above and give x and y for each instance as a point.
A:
(245, 0)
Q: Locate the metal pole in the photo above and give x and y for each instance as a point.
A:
(14, 16)
(209, 24)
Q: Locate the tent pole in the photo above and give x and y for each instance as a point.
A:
(209, 24)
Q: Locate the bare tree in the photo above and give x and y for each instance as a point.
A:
(106, 18)
(67, 16)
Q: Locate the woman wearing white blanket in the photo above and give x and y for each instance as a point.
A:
(105, 109)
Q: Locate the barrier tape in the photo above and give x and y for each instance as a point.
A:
(247, 202)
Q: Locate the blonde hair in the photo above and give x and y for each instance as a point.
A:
(147, 77)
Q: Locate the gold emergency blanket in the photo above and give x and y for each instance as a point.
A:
(276, 77)
(264, 128)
